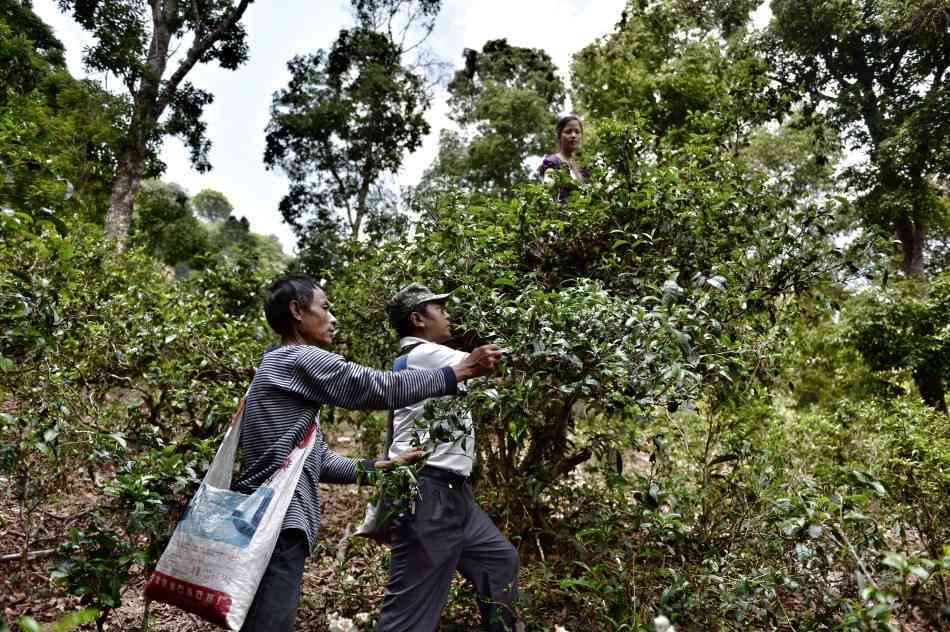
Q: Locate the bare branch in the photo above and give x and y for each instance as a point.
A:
(197, 51)
(30, 555)
(196, 15)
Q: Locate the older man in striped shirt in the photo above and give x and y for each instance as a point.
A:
(283, 403)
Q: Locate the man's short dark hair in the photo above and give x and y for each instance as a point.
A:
(405, 327)
(296, 287)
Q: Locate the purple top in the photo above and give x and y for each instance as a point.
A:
(553, 161)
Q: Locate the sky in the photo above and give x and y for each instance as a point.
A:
(241, 108)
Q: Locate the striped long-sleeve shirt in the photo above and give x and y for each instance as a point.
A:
(285, 397)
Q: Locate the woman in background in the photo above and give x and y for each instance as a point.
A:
(569, 131)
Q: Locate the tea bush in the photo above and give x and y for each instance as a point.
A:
(117, 378)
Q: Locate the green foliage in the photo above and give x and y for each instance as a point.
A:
(233, 233)
(666, 65)
(211, 205)
(823, 368)
(98, 566)
(68, 622)
(505, 99)
(346, 118)
(800, 154)
(165, 225)
(916, 471)
(877, 69)
(607, 319)
(28, 48)
(906, 327)
(115, 372)
(57, 135)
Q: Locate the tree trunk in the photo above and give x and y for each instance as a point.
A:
(931, 387)
(124, 187)
(151, 98)
(144, 119)
(911, 235)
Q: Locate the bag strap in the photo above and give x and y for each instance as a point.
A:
(401, 363)
(222, 466)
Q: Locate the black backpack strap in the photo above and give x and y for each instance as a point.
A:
(399, 364)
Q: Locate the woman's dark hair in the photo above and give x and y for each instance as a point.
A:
(296, 287)
(564, 120)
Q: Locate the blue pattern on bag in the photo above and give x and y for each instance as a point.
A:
(219, 515)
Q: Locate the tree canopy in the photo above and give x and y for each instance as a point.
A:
(681, 67)
(504, 99)
(878, 71)
(59, 137)
(211, 205)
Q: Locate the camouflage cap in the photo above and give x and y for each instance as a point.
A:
(408, 299)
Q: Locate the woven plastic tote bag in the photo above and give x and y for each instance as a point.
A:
(222, 545)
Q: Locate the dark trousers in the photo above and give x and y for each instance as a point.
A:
(450, 532)
(274, 608)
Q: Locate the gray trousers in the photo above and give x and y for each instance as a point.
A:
(274, 608)
(450, 532)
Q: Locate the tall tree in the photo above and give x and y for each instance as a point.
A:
(347, 118)
(878, 69)
(505, 99)
(136, 45)
(212, 206)
(58, 136)
(680, 67)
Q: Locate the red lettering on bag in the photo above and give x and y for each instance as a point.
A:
(237, 413)
(306, 438)
(209, 604)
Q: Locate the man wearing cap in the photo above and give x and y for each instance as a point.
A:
(450, 530)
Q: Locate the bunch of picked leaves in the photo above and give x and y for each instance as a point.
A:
(399, 490)
(443, 421)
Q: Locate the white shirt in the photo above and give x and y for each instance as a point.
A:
(457, 455)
